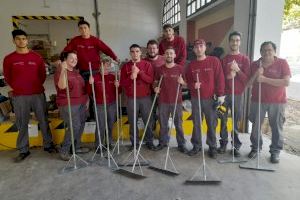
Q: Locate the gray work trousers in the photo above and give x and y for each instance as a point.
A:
(276, 120)
(165, 110)
(143, 106)
(22, 107)
(78, 113)
(238, 103)
(211, 121)
(111, 119)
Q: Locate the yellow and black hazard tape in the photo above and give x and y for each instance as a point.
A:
(15, 19)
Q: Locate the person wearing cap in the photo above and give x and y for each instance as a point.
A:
(274, 75)
(235, 65)
(142, 71)
(24, 71)
(175, 41)
(211, 82)
(172, 76)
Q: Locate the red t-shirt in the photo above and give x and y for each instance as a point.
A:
(88, 50)
(180, 49)
(169, 84)
(271, 94)
(241, 77)
(76, 88)
(143, 82)
(210, 75)
(24, 73)
(156, 64)
(110, 88)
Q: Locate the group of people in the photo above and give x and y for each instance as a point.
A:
(163, 72)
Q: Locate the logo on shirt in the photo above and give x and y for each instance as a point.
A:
(31, 63)
(19, 63)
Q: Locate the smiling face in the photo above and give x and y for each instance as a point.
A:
(169, 33)
(135, 54)
(268, 52)
(152, 50)
(20, 41)
(71, 60)
(170, 55)
(234, 43)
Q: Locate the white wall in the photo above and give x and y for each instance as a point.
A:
(122, 22)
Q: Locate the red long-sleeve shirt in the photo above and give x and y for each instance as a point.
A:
(24, 73)
(76, 88)
(110, 88)
(143, 82)
(180, 49)
(271, 94)
(241, 77)
(211, 77)
(88, 50)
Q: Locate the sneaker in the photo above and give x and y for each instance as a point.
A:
(82, 150)
(236, 153)
(194, 151)
(182, 149)
(51, 149)
(21, 157)
(222, 149)
(160, 147)
(274, 158)
(64, 156)
(212, 152)
(150, 146)
(252, 154)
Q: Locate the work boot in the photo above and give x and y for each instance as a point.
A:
(21, 157)
(194, 151)
(182, 149)
(252, 154)
(222, 149)
(51, 149)
(212, 152)
(274, 158)
(64, 156)
(160, 147)
(150, 146)
(236, 153)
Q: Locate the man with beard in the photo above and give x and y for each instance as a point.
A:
(211, 82)
(237, 66)
(172, 76)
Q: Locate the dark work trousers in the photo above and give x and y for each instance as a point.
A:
(238, 103)
(111, 119)
(143, 106)
(22, 107)
(211, 121)
(165, 110)
(78, 113)
(276, 117)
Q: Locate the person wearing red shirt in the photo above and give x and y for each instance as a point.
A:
(211, 83)
(172, 76)
(88, 49)
(110, 93)
(24, 71)
(172, 40)
(274, 75)
(78, 101)
(142, 71)
(234, 65)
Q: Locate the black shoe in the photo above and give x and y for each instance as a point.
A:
(150, 146)
(212, 153)
(51, 149)
(194, 151)
(21, 157)
(222, 149)
(160, 147)
(236, 153)
(252, 154)
(182, 149)
(274, 158)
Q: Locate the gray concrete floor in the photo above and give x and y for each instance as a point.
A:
(39, 177)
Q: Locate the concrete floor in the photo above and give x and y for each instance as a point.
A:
(39, 178)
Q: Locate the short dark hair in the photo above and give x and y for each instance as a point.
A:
(82, 22)
(170, 47)
(64, 55)
(151, 42)
(167, 26)
(235, 33)
(134, 46)
(18, 32)
(267, 43)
